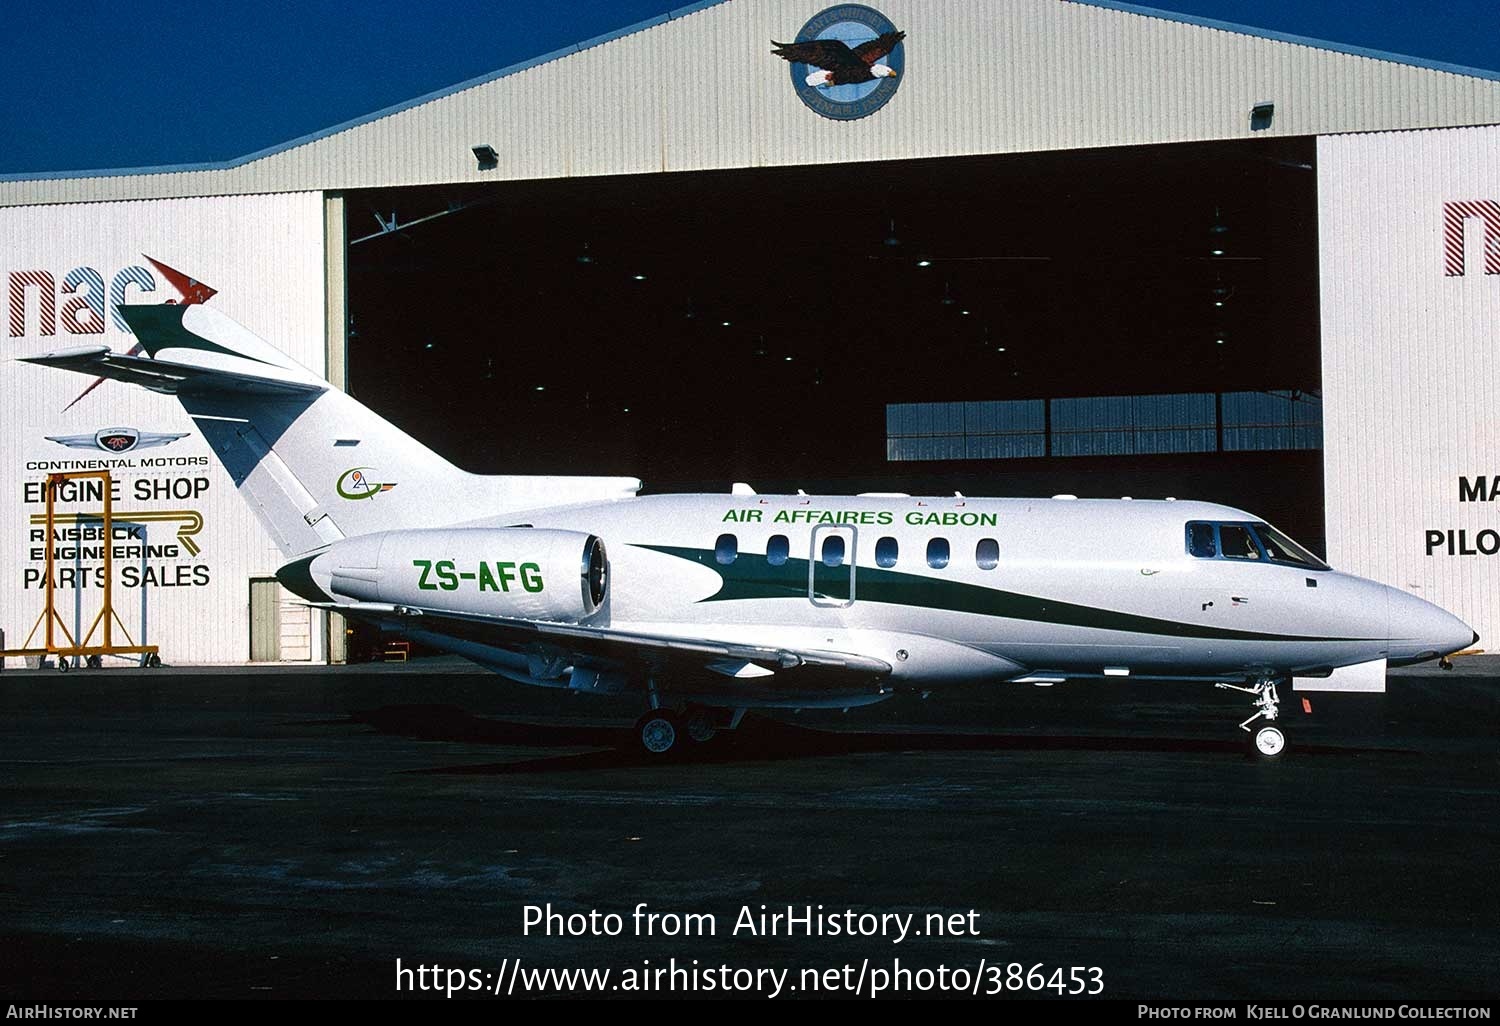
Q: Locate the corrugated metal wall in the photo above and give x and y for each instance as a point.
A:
(265, 256)
(1411, 369)
(982, 76)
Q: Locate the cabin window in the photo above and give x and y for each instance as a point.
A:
(726, 548)
(1236, 542)
(1201, 541)
(987, 553)
(833, 550)
(937, 553)
(886, 552)
(777, 549)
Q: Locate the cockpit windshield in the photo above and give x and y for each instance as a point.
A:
(1247, 541)
(1281, 549)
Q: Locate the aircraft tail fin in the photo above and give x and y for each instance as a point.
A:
(314, 464)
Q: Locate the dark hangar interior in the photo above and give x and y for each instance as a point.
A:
(1138, 321)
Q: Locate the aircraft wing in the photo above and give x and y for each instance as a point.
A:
(610, 646)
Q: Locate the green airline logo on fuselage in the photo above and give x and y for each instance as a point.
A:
(443, 575)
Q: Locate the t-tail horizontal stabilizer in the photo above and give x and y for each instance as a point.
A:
(193, 350)
(314, 465)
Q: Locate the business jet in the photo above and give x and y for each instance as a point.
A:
(709, 605)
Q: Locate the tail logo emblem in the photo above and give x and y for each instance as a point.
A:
(353, 484)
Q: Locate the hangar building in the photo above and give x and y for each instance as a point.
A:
(1066, 248)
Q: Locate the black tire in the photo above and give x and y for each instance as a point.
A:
(698, 725)
(62, 664)
(659, 733)
(153, 660)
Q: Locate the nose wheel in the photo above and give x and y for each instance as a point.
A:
(1268, 741)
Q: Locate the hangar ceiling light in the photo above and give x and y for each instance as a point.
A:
(487, 157)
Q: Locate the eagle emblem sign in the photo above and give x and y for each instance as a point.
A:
(847, 61)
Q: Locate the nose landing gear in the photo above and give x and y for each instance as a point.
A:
(1268, 741)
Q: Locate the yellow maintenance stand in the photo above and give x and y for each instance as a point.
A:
(105, 623)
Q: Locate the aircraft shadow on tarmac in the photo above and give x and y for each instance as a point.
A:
(757, 740)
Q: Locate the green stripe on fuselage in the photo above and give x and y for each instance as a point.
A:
(752, 577)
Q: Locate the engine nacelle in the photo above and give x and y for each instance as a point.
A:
(516, 572)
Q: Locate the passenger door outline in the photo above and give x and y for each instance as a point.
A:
(831, 578)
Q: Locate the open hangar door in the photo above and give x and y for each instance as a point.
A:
(1138, 322)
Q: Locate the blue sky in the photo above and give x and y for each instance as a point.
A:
(92, 84)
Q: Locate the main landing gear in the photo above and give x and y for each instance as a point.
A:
(659, 732)
(1268, 740)
(663, 732)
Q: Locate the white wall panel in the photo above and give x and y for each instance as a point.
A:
(1411, 376)
(702, 90)
(265, 256)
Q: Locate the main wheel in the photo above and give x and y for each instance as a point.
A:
(1270, 742)
(700, 726)
(659, 732)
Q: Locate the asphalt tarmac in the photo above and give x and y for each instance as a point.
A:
(272, 833)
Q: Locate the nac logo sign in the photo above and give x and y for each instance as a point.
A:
(1457, 219)
(86, 302)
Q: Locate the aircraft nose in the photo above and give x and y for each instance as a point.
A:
(1420, 630)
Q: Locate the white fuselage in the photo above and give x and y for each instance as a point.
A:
(1030, 586)
(735, 589)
